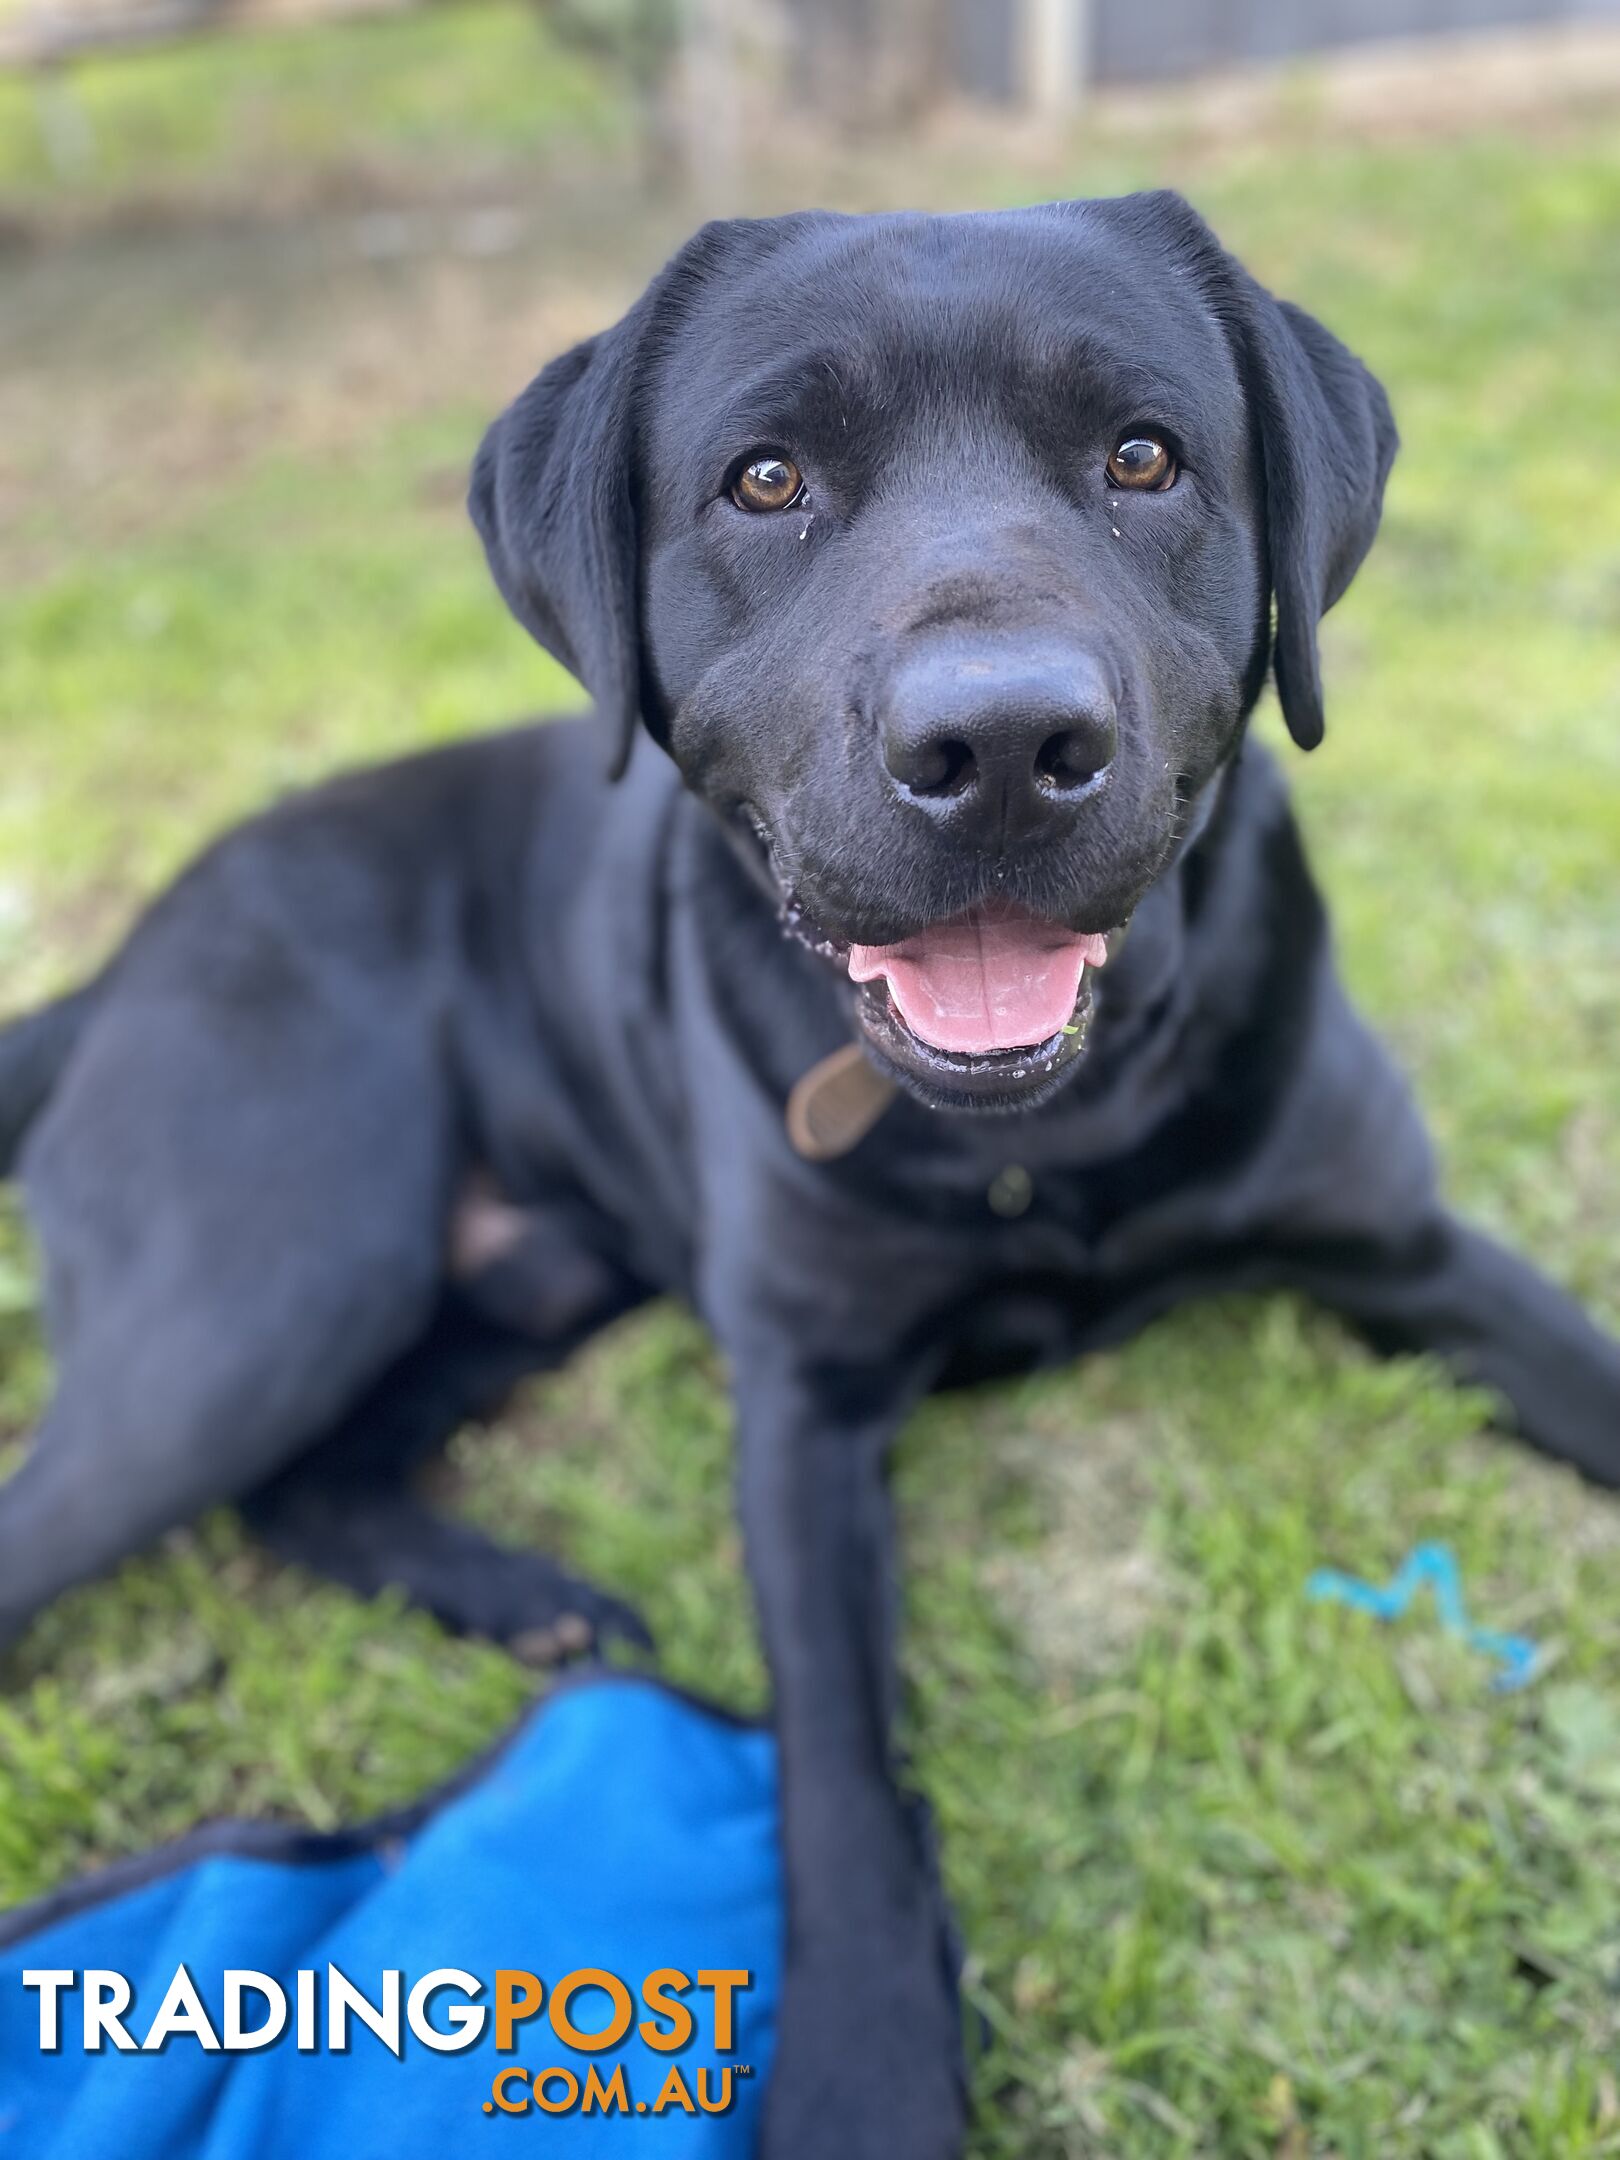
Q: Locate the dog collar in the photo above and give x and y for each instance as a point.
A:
(836, 1104)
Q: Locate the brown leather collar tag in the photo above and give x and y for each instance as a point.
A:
(836, 1104)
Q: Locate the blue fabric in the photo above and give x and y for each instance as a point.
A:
(622, 1829)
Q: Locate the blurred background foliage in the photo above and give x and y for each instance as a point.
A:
(1240, 1876)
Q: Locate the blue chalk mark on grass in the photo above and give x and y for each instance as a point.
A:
(1431, 1567)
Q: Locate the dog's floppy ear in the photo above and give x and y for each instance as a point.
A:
(554, 484)
(1326, 440)
(1324, 437)
(552, 499)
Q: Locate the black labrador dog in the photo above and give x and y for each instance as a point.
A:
(943, 990)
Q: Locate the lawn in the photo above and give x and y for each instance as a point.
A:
(242, 116)
(1241, 1875)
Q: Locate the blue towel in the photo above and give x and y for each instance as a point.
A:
(621, 1828)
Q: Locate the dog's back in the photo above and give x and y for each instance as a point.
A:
(402, 824)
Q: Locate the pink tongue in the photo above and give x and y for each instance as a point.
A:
(993, 980)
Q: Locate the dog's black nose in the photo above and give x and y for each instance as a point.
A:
(998, 740)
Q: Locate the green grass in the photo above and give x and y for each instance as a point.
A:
(461, 85)
(1241, 1875)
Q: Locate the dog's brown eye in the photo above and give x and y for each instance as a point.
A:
(1141, 461)
(769, 483)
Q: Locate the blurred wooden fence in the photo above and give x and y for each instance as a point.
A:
(858, 54)
(1126, 41)
(862, 66)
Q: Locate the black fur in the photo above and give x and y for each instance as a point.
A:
(486, 964)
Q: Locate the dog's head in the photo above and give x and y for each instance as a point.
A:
(942, 554)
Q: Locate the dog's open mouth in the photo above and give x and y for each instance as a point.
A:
(988, 1005)
(986, 984)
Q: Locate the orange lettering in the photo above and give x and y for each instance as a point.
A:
(725, 1982)
(518, 1995)
(659, 1992)
(590, 1976)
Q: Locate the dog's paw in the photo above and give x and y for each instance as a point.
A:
(592, 1620)
(542, 1614)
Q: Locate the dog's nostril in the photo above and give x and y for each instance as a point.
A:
(941, 767)
(1069, 759)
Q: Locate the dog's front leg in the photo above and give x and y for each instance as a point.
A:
(868, 2064)
(1448, 1292)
